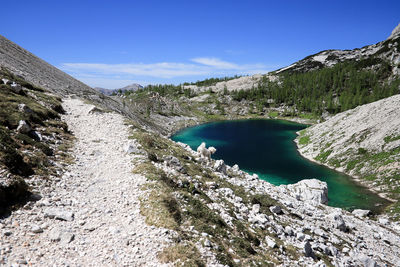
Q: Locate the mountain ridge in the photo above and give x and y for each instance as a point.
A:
(214, 214)
(108, 92)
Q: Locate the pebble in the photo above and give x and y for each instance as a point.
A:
(36, 229)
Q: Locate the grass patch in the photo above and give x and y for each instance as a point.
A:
(186, 253)
(352, 164)
(304, 140)
(154, 208)
(389, 139)
(25, 154)
(322, 157)
(273, 114)
(335, 163)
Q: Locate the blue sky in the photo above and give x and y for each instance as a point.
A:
(113, 43)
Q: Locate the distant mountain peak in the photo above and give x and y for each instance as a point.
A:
(131, 87)
(395, 32)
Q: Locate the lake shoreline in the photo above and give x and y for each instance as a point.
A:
(356, 179)
(372, 196)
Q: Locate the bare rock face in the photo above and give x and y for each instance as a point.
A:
(38, 71)
(395, 32)
(313, 191)
(356, 137)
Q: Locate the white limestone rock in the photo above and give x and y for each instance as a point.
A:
(59, 214)
(270, 242)
(36, 229)
(24, 108)
(23, 127)
(395, 32)
(220, 166)
(338, 221)
(312, 191)
(361, 213)
(130, 148)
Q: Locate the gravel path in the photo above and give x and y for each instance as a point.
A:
(90, 217)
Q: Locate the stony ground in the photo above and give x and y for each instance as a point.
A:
(363, 142)
(89, 217)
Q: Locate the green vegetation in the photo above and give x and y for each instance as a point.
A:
(212, 81)
(323, 156)
(389, 139)
(24, 154)
(178, 201)
(341, 87)
(304, 140)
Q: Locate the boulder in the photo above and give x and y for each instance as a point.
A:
(300, 236)
(383, 221)
(16, 88)
(366, 261)
(308, 251)
(235, 168)
(36, 229)
(57, 235)
(94, 110)
(174, 163)
(220, 166)
(256, 208)
(338, 221)
(289, 231)
(259, 219)
(130, 148)
(59, 214)
(312, 191)
(361, 213)
(23, 127)
(270, 242)
(276, 209)
(24, 108)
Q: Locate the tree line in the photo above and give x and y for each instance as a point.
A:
(336, 89)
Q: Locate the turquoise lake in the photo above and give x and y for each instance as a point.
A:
(266, 147)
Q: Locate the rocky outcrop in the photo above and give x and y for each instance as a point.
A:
(363, 142)
(395, 32)
(312, 191)
(241, 83)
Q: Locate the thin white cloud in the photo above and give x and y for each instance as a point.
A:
(103, 75)
(159, 70)
(215, 62)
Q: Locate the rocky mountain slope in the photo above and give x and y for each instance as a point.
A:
(373, 55)
(363, 142)
(27, 66)
(198, 211)
(35, 70)
(241, 83)
(33, 139)
(370, 57)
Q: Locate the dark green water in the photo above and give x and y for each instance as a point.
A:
(266, 147)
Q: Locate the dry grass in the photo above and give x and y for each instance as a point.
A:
(153, 207)
(182, 255)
